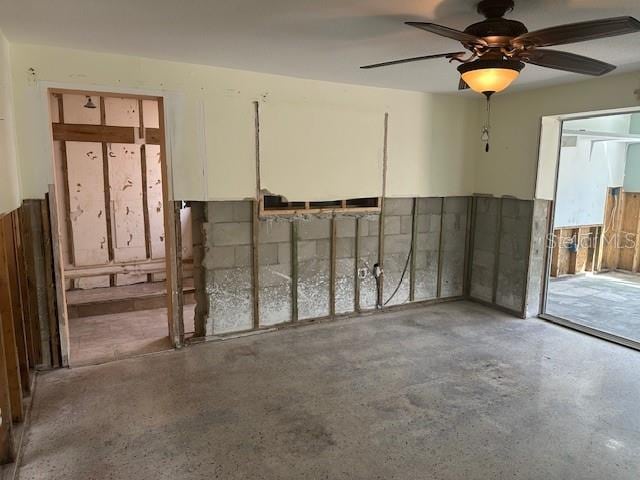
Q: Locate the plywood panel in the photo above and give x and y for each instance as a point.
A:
(154, 201)
(76, 112)
(150, 114)
(121, 112)
(125, 179)
(86, 203)
(629, 230)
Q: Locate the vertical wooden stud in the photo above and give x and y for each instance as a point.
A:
(439, 275)
(356, 288)
(294, 271)
(332, 268)
(58, 271)
(50, 284)
(8, 332)
(385, 144)
(414, 250)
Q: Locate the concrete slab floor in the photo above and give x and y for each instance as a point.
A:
(452, 391)
(606, 301)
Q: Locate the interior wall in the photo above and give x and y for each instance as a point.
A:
(632, 170)
(211, 128)
(510, 168)
(9, 177)
(586, 172)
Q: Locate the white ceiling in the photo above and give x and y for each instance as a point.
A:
(318, 39)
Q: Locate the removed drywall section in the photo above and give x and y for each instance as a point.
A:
(345, 264)
(9, 177)
(314, 267)
(500, 252)
(368, 243)
(427, 248)
(228, 268)
(275, 271)
(398, 220)
(453, 246)
(484, 248)
(514, 247)
(539, 249)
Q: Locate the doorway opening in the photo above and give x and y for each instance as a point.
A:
(593, 276)
(109, 211)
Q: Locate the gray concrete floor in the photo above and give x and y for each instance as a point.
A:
(453, 391)
(606, 301)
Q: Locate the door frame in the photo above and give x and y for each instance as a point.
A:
(565, 322)
(173, 263)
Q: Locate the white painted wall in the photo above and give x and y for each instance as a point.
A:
(431, 144)
(510, 168)
(9, 176)
(586, 172)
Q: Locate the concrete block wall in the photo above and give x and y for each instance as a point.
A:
(368, 245)
(275, 276)
(500, 257)
(427, 247)
(398, 220)
(227, 263)
(538, 255)
(304, 263)
(345, 266)
(453, 245)
(314, 265)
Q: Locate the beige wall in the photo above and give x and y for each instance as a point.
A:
(9, 180)
(432, 138)
(510, 167)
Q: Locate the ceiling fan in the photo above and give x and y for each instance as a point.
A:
(498, 48)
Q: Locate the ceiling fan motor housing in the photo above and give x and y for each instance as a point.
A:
(495, 8)
(496, 27)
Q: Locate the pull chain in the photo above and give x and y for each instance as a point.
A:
(487, 127)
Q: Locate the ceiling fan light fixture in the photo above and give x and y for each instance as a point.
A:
(490, 76)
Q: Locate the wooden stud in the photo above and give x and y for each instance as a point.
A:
(414, 249)
(496, 263)
(58, 270)
(294, 271)
(145, 200)
(332, 268)
(50, 284)
(8, 331)
(7, 449)
(439, 275)
(470, 246)
(108, 207)
(16, 302)
(257, 204)
(174, 312)
(77, 132)
(23, 287)
(385, 146)
(140, 119)
(356, 284)
(176, 206)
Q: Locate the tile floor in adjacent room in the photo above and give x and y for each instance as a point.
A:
(454, 391)
(606, 301)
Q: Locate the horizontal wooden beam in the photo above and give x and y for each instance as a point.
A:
(93, 133)
(143, 268)
(73, 132)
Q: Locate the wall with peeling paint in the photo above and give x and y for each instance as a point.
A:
(9, 179)
(211, 132)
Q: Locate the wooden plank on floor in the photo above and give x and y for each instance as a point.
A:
(58, 270)
(8, 332)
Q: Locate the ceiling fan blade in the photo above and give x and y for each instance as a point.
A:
(448, 32)
(578, 32)
(462, 85)
(414, 59)
(569, 62)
